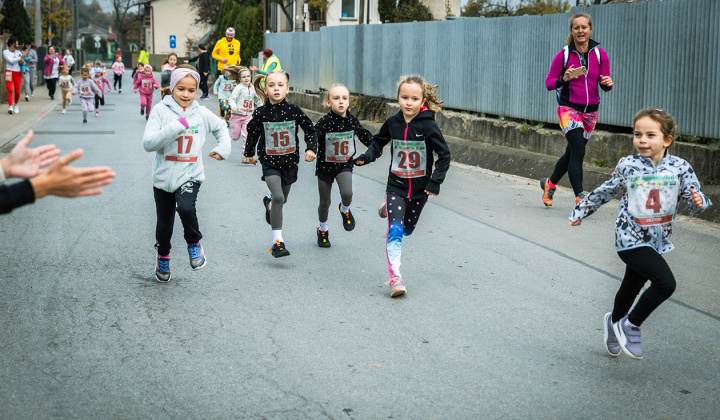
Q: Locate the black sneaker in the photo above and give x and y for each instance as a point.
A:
(142, 111)
(266, 202)
(348, 219)
(278, 250)
(323, 240)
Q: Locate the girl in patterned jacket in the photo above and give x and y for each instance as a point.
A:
(273, 131)
(652, 182)
(336, 133)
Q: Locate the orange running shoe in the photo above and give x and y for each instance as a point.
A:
(547, 192)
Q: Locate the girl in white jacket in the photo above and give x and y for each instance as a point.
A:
(243, 100)
(176, 133)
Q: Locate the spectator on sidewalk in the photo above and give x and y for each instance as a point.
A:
(69, 60)
(203, 67)
(52, 63)
(13, 75)
(30, 76)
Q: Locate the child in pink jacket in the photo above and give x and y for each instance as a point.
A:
(147, 84)
(100, 81)
(118, 69)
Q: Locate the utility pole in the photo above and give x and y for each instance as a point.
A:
(38, 24)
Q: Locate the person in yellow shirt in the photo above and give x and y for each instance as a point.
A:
(226, 51)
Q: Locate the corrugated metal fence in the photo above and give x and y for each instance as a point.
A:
(662, 53)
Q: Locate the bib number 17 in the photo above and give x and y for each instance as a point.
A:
(180, 141)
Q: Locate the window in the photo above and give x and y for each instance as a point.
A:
(347, 9)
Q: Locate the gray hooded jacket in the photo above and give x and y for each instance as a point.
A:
(178, 151)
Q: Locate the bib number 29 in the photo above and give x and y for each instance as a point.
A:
(409, 160)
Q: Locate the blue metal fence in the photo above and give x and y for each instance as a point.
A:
(662, 54)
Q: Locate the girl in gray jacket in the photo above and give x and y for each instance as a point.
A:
(176, 133)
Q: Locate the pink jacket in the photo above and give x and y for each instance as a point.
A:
(118, 68)
(146, 84)
(49, 64)
(100, 81)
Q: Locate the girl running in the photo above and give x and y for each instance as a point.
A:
(242, 101)
(176, 133)
(414, 136)
(66, 83)
(273, 130)
(336, 133)
(139, 67)
(223, 88)
(87, 89)
(118, 69)
(166, 69)
(100, 81)
(652, 182)
(146, 83)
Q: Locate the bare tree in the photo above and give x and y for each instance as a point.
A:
(124, 20)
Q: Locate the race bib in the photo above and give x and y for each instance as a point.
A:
(185, 151)
(147, 84)
(247, 103)
(339, 147)
(98, 82)
(85, 90)
(279, 138)
(409, 159)
(228, 87)
(652, 199)
(65, 85)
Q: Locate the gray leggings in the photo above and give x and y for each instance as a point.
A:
(344, 181)
(279, 194)
(29, 78)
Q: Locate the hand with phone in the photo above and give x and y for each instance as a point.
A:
(573, 73)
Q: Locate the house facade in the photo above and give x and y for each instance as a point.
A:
(163, 19)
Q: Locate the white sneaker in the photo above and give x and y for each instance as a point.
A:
(10, 110)
(27, 98)
(97, 115)
(32, 93)
(16, 109)
(63, 111)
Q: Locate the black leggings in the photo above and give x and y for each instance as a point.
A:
(183, 201)
(51, 84)
(571, 162)
(117, 81)
(203, 84)
(643, 264)
(99, 100)
(344, 181)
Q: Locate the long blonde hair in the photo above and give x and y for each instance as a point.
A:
(569, 39)
(431, 99)
(258, 82)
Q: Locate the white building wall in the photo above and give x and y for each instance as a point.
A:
(174, 17)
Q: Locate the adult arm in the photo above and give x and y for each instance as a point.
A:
(216, 51)
(605, 69)
(554, 78)
(10, 57)
(271, 68)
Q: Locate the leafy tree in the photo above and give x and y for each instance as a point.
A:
(386, 10)
(88, 44)
(224, 19)
(412, 10)
(249, 25)
(16, 21)
(542, 7)
(207, 12)
(55, 14)
(497, 8)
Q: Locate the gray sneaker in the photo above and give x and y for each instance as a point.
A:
(397, 287)
(612, 347)
(628, 338)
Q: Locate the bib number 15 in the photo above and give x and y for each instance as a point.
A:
(281, 138)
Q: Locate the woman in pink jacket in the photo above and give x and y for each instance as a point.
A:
(576, 72)
(52, 62)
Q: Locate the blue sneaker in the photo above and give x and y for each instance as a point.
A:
(162, 269)
(197, 256)
(612, 347)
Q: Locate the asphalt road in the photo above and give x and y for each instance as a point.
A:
(503, 316)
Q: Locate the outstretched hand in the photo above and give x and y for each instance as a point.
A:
(359, 162)
(696, 198)
(606, 80)
(216, 156)
(23, 162)
(63, 180)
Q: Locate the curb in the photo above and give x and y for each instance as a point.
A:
(26, 122)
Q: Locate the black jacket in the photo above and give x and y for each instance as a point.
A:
(15, 195)
(422, 127)
(203, 62)
(282, 112)
(333, 123)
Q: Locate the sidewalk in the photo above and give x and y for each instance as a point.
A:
(31, 112)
